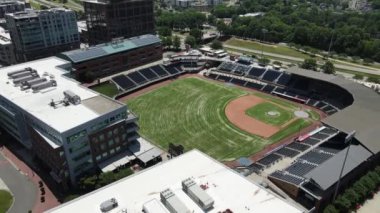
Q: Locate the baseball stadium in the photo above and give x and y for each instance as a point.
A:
(290, 126)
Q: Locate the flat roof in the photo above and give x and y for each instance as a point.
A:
(356, 155)
(109, 48)
(228, 189)
(363, 115)
(61, 118)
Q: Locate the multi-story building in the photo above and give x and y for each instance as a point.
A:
(39, 34)
(7, 54)
(108, 19)
(69, 128)
(109, 58)
(11, 6)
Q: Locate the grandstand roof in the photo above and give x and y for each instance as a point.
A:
(357, 155)
(227, 188)
(110, 48)
(363, 115)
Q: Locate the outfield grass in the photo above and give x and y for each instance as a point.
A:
(191, 112)
(260, 112)
(107, 89)
(277, 49)
(6, 200)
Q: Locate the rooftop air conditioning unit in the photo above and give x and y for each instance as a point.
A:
(108, 205)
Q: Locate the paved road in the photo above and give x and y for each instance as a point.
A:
(24, 191)
(341, 66)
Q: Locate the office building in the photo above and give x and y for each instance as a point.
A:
(112, 57)
(7, 53)
(108, 19)
(39, 34)
(192, 182)
(69, 128)
(11, 6)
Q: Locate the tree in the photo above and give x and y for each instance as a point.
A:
(164, 31)
(328, 68)
(309, 64)
(330, 209)
(190, 40)
(216, 44)
(167, 41)
(197, 34)
(176, 42)
(263, 61)
(342, 204)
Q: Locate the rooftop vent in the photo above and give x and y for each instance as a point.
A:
(10, 74)
(24, 78)
(196, 193)
(28, 84)
(72, 97)
(108, 205)
(44, 85)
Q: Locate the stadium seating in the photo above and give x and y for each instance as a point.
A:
(123, 82)
(227, 67)
(224, 78)
(137, 78)
(238, 81)
(241, 69)
(268, 88)
(298, 146)
(148, 73)
(173, 70)
(300, 168)
(253, 85)
(269, 159)
(257, 168)
(329, 150)
(311, 141)
(316, 156)
(287, 152)
(285, 176)
(271, 75)
(213, 76)
(255, 72)
(283, 79)
(320, 136)
(159, 70)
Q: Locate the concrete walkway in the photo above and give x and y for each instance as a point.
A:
(371, 206)
(23, 183)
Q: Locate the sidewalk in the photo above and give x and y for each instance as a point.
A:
(50, 200)
(372, 205)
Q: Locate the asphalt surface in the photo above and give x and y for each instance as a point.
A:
(23, 190)
(341, 66)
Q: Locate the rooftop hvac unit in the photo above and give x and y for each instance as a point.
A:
(108, 205)
(20, 74)
(172, 202)
(44, 85)
(18, 71)
(25, 78)
(197, 194)
(72, 97)
(28, 84)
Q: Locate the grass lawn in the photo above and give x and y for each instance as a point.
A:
(292, 128)
(260, 112)
(277, 49)
(6, 200)
(107, 89)
(191, 112)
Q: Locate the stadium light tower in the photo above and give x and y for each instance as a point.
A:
(347, 140)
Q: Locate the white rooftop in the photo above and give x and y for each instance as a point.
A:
(228, 189)
(61, 118)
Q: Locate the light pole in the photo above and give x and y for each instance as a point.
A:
(262, 42)
(347, 140)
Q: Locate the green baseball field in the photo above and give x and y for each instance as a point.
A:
(191, 112)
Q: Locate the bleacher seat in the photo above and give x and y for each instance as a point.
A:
(268, 88)
(269, 159)
(271, 75)
(287, 152)
(159, 70)
(173, 70)
(287, 177)
(284, 79)
(298, 146)
(148, 73)
(124, 82)
(238, 81)
(310, 141)
(315, 156)
(253, 85)
(137, 78)
(300, 168)
(224, 78)
(255, 72)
